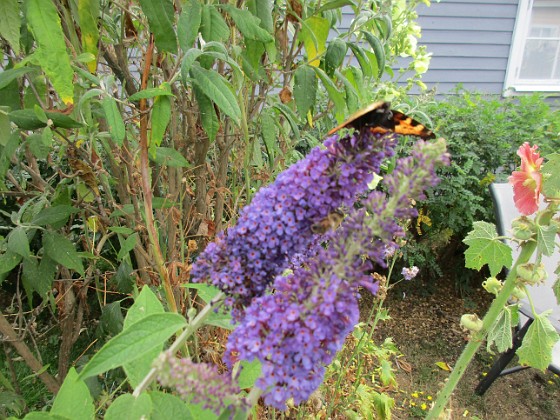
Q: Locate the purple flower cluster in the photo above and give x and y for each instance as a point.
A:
(278, 222)
(297, 330)
(295, 333)
(198, 383)
(410, 272)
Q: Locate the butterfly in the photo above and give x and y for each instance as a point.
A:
(380, 118)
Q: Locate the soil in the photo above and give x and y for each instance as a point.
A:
(425, 328)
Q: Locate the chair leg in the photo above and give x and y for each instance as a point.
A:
(500, 364)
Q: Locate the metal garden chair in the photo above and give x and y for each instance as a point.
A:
(542, 295)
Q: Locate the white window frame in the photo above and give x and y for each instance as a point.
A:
(512, 82)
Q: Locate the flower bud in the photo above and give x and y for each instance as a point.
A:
(492, 285)
(528, 274)
(518, 293)
(471, 322)
(522, 229)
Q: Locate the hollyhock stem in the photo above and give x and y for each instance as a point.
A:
(527, 250)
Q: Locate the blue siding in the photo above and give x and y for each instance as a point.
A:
(470, 41)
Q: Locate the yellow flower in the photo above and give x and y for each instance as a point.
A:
(484, 373)
(423, 406)
(551, 382)
(415, 394)
(429, 397)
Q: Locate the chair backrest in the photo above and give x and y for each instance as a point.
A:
(543, 296)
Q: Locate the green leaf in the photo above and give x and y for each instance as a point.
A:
(305, 89)
(352, 96)
(336, 51)
(162, 90)
(378, 50)
(551, 180)
(134, 342)
(18, 242)
(334, 94)
(161, 115)
(146, 303)
(250, 372)
(500, 333)
(208, 117)
(43, 415)
(168, 406)
(27, 119)
(213, 27)
(248, 24)
(189, 23)
(9, 260)
(205, 291)
(5, 127)
(291, 117)
(536, 349)
(484, 247)
(555, 287)
(74, 399)
(161, 15)
(128, 407)
(53, 214)
(10, 23)
(38, 145)
(263, 10)
(269, 135)
(221, 320)
(61, 250)
(546, 236)
(114, 119)
(44, 22)
(218, 90)
(8, 76)
(362, 58)
(111, 320)
(314, 33)
(167, 156)
(127, 246)
(88, 10)
(386, 373)
(334, 4)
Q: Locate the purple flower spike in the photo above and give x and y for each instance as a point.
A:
(278, 222)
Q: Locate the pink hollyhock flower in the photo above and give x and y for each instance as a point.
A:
(527, 182)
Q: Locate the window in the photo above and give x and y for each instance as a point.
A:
(534, 61)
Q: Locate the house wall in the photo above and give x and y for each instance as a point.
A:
(470, 41)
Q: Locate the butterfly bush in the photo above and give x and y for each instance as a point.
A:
(297, 330)
(278, 223)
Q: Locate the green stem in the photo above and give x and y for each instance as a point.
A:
(527, 249)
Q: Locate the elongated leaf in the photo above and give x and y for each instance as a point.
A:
(5, 128)
(189, 23)
(305, 89)
(291, 117)
(161, 115)
(218, 90)
(334, 4)
(168, 156)
(263, 10)
(130, 408)
(378, 51)
(127, 246)
(61, 250)
(334, 94)
(133, 342)
(44, 22)
(54, 214)
(18, 242)
(150, 93)
(74, 399)
(314, 33)
(27, 119)
(9, 260)
(213, 26)
(269, 135)
(352, 96)
(248, 24)
(168, 406)
(8, 76)
(362, 58)
(208, 117)
(146, 303)
(114, 120)
(336, 51)
(88, 10)
(161, 15)
(10, 23)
